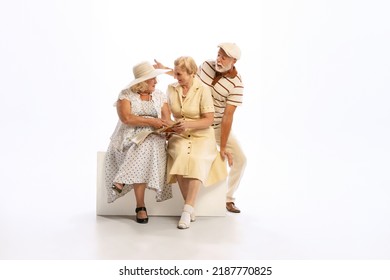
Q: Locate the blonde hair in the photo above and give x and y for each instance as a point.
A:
(140, 87)
(187, 64)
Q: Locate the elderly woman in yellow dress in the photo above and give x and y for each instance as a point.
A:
(193, 158)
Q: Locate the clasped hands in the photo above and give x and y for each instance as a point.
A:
(177, 127)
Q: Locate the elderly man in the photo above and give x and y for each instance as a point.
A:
(227, 90)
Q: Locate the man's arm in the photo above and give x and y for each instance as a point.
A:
(226, 126)
(159, 65)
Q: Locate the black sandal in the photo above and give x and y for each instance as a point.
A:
(141, 220)
(115, 188)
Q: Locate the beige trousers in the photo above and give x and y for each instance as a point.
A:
(239, 163)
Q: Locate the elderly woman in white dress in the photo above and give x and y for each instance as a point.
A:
(133, 164)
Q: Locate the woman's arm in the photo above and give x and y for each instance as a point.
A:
(125, 115)
(166, 114)
(206, 119)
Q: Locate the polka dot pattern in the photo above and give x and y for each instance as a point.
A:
(129, 163)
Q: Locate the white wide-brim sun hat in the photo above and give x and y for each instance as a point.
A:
(144, 71)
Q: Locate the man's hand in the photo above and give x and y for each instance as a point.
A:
(159, 65)
(224, 154)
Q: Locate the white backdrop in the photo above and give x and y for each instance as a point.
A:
(314, 123)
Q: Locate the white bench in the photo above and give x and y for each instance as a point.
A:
(210, 202)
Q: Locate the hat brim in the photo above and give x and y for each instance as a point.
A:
(150, 75)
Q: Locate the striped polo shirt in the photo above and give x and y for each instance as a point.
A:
(225, 91)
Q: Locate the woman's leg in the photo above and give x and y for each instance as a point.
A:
(139, 191)
(191, 188)
(118, 187)
(183, 185)
(192, 191)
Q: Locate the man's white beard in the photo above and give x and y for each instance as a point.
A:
(222, 69)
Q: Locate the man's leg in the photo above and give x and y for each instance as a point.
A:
(237, 169)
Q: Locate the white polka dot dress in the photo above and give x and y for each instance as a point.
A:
(128, 163)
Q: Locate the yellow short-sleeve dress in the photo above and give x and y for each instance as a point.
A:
(193, 153)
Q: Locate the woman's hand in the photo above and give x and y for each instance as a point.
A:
(158, 123)
(180, 126)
